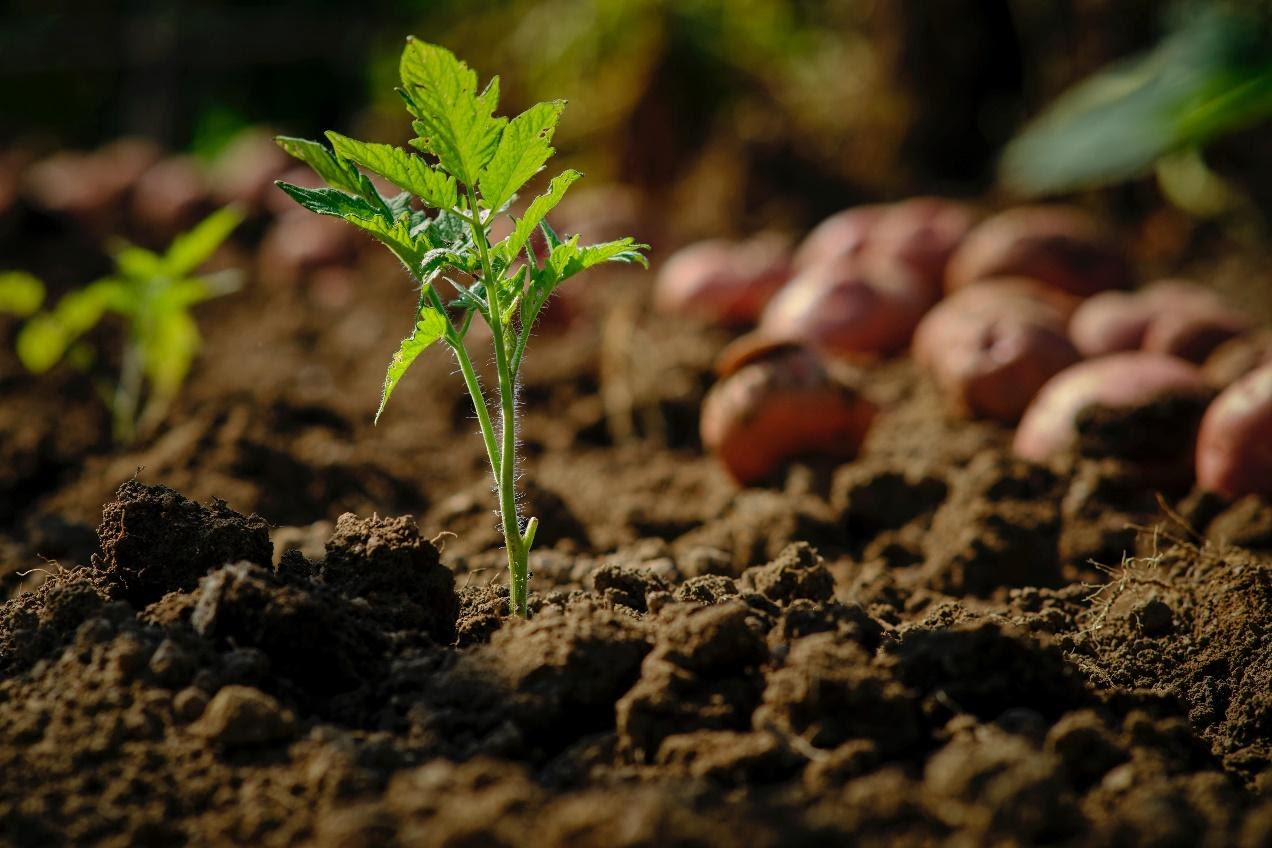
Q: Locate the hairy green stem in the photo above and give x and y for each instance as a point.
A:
(455, 339)
(506, 472)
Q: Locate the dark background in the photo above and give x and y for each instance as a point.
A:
(731, 111)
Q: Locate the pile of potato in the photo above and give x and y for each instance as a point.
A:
(1030, 318)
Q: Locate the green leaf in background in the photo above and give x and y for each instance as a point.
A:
(1210, 77)
(406, 171)
(454, 122)
(429, 327)
(524, 147)
(168, 345)
(137, 263)
(21, 293)
(191, 249)
(535, 213)
(46, 336)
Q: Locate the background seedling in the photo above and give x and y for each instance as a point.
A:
(153, 293)
(472, 167)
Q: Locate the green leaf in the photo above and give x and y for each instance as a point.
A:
(192, 248)
(45, 337)
(168, 342)
(535, 213)
(454, 123)
(569, 258)
(429, 327)
(1208, 78)
(192, 290)
(334, 173)
(137, 263)
(403, 169)
(329, 201)
(524, 148)
(20, 293)
(41, 343)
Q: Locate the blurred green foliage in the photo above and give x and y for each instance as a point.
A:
(1211, 76)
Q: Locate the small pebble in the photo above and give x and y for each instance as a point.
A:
(242, 716)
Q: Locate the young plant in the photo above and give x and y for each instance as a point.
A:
(472, 167)
(153, 294)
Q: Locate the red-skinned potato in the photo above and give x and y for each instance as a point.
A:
(1234, 444)
(992, 346)
(1177, 317)
(1191, 321)
(781, 404)
(921, 233)
(1119, 381)
(723, 282)
(1237, 357)
(1059, 245)
(841, 235)
(1110, 322)
(170, 195)
(848, 308)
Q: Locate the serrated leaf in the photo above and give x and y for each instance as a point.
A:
(192, 248)
(430, 325)
(445, 230)
(330, 201)
(524, 148)
(333, 172)
(535, 213)
(454, 122)
(569, 258)
(168, 343)
(21, 293)
(403, 169)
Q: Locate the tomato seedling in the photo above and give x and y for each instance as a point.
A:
(473, 163)
(153, 293)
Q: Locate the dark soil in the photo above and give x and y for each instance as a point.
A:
(934, 644)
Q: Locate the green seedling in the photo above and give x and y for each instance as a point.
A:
(153, 294)
(1212, 75)
(470, 166)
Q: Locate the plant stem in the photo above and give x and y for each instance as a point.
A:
(506, 471)
(127, 393)
(455, 338)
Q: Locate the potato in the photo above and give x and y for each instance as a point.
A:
(1110, 322)
(1234, 444)
(1119, 381)
(1194, 325)
(990, 347)
(1237, 357)
(780, 405)
(171, 195)
(1059, 245)
(1177, 317)
(921, 233)
(841, 235)
(848, 308)
(723, 282)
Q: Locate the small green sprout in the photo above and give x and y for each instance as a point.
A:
(472, 167)
(153, 294)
